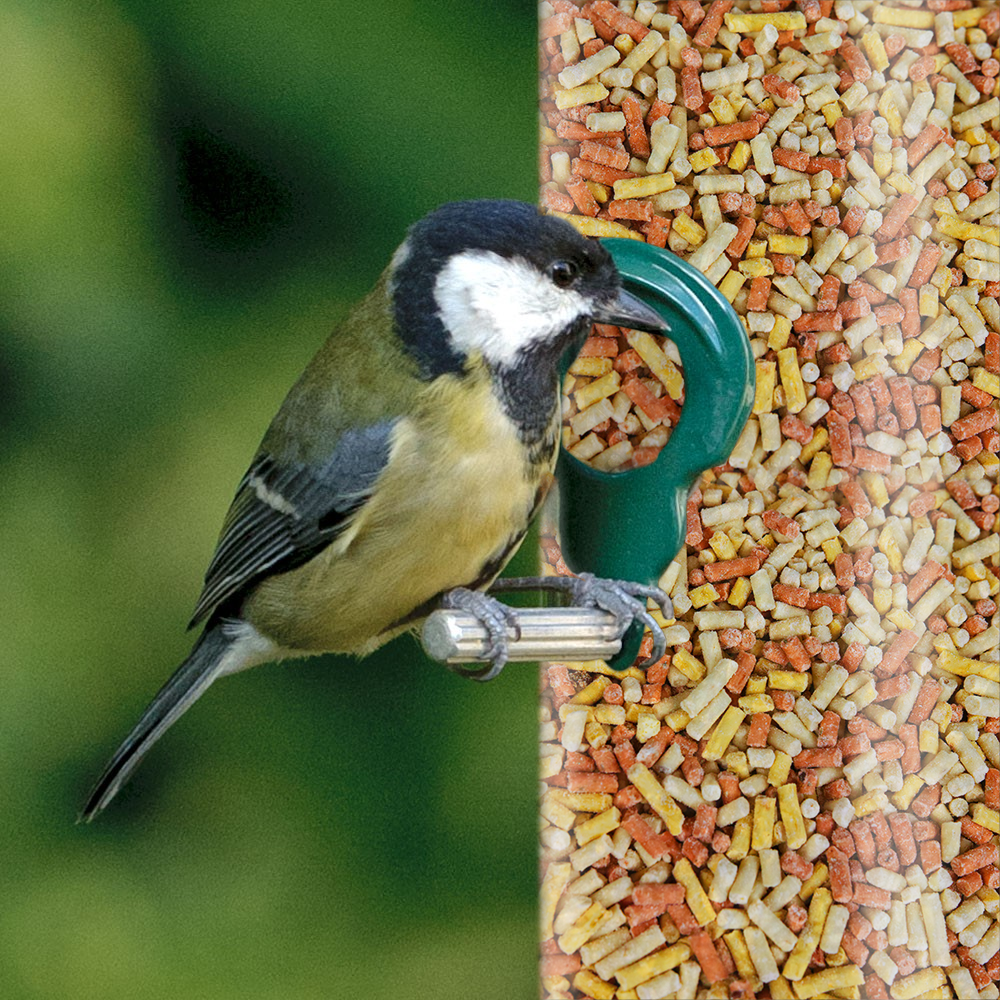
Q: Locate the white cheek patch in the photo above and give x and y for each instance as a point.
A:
(498, 305)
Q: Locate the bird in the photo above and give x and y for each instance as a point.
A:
(406, 463)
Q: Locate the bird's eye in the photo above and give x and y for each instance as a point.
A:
(564, 273)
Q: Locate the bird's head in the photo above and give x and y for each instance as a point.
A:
(499, 279)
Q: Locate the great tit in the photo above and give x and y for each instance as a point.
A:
(404, 466)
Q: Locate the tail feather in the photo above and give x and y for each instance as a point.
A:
(208, 660)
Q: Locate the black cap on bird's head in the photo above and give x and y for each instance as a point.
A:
(499, 278)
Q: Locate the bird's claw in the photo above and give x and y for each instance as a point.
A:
(627, 602)
(496, 617)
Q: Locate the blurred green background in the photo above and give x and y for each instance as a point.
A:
(191, 193)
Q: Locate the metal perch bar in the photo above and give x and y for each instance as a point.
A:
(546, 634)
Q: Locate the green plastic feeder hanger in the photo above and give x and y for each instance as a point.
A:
(630, 525)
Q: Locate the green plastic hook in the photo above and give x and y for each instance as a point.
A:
(630, 525)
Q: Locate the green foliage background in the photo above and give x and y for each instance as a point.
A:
(191, 193)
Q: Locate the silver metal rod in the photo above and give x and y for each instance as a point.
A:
(546, 634)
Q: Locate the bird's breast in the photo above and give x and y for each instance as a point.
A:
(448, 510)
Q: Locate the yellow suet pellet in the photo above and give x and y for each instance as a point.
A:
(764, 393)
(791, 379)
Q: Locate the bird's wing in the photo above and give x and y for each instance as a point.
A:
(286, 511)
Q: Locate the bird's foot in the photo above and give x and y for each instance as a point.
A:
(496, 617)
(621, 598)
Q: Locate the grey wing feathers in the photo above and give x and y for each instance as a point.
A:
(284, 512)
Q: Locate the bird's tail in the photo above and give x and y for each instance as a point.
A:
(208, 660)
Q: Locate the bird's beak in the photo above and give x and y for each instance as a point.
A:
(628, 311)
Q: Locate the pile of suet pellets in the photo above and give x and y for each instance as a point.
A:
(800, 800)
(622, 396)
